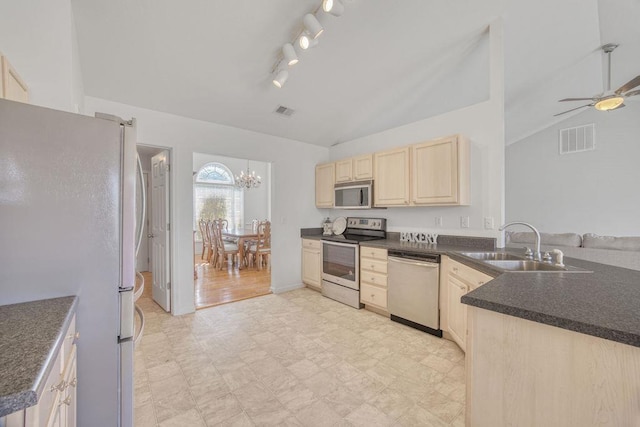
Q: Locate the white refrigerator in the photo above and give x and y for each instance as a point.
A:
(68, 227)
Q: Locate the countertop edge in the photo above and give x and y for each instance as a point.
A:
(26, 398)
(604, 332)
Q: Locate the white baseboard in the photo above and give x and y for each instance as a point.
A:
(286, 288)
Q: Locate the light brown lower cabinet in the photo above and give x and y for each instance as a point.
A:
(524, 373)
(456, 280)
(312, 263)
(373, 278)
(57, 405)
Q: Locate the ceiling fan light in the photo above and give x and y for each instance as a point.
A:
(289, 54)
(609, 103)
(312, 25)
(280, 78)
(306, 41)
(334, 7)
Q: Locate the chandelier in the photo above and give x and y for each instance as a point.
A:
(247, 181)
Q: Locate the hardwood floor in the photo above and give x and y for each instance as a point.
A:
(215, 287)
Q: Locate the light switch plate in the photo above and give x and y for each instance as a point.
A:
(464, 222)
(438, 221)
(488, 223)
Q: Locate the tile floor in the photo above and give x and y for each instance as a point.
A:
(293, 359)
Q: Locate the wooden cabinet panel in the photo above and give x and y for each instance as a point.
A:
(12, 86)
(375, 253)
(325, 181)
(456, 280)
(373, 295)
(373, 277)
(440, 172)
(373, 265)
(363, 167)
(392, 178)
(457, 312)
(312, 263)
(344, 170)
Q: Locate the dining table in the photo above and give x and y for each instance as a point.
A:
(242, 234)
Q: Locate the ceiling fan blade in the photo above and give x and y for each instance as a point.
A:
(573, 109)
(632, 93)
(577, 99)
(629, 85)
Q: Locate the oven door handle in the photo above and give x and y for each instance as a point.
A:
(351, 245)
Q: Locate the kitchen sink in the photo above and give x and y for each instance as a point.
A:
(485, 256)
(525, 265)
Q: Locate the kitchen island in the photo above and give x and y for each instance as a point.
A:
(550, 348)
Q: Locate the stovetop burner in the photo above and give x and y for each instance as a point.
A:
(361, 230)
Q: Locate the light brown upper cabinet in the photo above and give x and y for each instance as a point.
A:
(325, 180)
(392, 177)
(12, 87)
(355, 168)
(440, 172)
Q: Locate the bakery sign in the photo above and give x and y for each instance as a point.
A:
(418, 237)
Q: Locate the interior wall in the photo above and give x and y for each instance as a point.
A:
(291, 185)
(588, 192)
(483, 124)
(47, 60)
(256, 204)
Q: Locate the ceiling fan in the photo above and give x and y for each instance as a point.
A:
(609, 100)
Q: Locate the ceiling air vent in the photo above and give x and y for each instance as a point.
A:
(577, 139)
(284, 111)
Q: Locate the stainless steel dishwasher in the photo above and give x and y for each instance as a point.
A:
(413, 286)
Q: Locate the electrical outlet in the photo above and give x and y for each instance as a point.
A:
(488, 223)
(464, 222)
(438, 221)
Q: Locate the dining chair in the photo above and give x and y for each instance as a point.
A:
(224, 250)
(260, 252)
(206, 242)
(212, 254)
(225, 227)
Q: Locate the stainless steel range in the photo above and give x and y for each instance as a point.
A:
(341, 259)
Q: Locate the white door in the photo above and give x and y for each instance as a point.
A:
(142, 260)
(160, 265)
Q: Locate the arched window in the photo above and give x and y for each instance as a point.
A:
(215, 195)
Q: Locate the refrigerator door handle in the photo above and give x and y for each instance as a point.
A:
(143, 201)
(127, 321)
(138, 337)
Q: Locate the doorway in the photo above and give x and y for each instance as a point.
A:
(156, 238)
(239, 275)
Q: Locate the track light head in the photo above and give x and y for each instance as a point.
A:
(306, 41)
(280, 78)
(334, 7)
(312, 26)
(289, 54)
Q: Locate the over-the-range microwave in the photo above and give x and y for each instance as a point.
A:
(353, 195)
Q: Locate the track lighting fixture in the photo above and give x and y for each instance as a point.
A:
(280, 78)
(306, 38)
(306, 41)
(289, 54)
(312, 26)
(334, 7)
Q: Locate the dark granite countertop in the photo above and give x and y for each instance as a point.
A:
(31, 334)
(604, 303)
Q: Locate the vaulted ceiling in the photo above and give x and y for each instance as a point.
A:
(379, 65)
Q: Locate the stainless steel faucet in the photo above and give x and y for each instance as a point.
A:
(536, 255)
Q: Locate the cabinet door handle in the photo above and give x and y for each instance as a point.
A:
(66, 401)
(373, 296)
(59, 387)
(73, 382)
(455, 269)
(461, 287)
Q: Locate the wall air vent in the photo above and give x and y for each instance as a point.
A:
(577, 139)
(284, 111)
